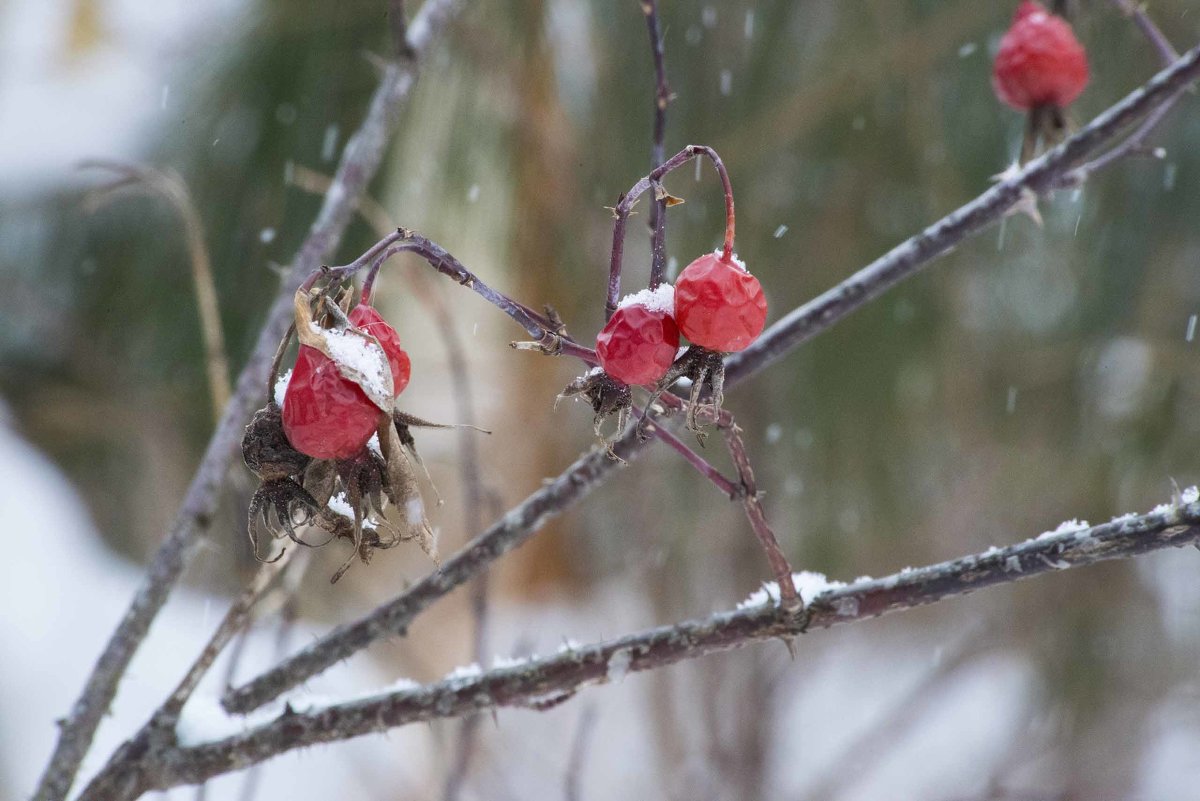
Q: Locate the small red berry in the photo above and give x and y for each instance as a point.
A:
(719, 305)
(1040, 62)
(368, 320)
(639, 342)
(325, 415)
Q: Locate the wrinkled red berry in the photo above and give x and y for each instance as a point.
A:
(1040, 62)
(366, 318)
(639, 342)
(325, 415)
(719, 305)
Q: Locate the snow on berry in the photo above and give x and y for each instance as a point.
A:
(367, 319)
(718, 304)
(280, 389)
(358, 354)
(659, 299)
(326, 415)
(339, 505)
(638, 344)
(1040, 62)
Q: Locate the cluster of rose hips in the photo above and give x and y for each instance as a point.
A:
(1040, 68)
(335, 450)
(715, 304)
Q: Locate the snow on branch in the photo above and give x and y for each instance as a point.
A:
(539, 682)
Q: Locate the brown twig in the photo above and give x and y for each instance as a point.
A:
(170, 186)
(590, 471)
(540, 680)
(728, 488)
(360, 160)
(758, 518)
(546, 337)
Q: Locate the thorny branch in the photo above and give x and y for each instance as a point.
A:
(360, 160)
(758, 518)
(908, 258)
(542, 679)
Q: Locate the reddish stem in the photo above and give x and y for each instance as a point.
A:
(625, 205)
(728, 488)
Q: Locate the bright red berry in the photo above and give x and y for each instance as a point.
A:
(639, 342)
(719, 305)
(325, 415)
(366, 318)
(1040, 62)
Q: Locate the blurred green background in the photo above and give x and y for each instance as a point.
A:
(1034, 375)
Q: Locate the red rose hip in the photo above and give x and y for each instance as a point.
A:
(638, 344)
(365, 317)
(1040, 62)
(325, 415)
(718, 304)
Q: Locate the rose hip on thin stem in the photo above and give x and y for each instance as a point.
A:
(1040, 68)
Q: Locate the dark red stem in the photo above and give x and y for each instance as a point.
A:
(625, 205)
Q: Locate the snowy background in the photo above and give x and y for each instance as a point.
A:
(1033, 376)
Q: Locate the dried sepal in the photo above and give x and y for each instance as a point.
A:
(608, 397)
(406, 491)
(404, 422)
(320, 480)
(273, 513)
(358, 355)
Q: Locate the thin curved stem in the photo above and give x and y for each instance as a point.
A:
(625, 206)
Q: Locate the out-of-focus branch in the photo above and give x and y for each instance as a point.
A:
(540, 681)
(359, 162)
(800, 325)
(1167, 54)
(1135, 144)
(170, 186)
(583, 738)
